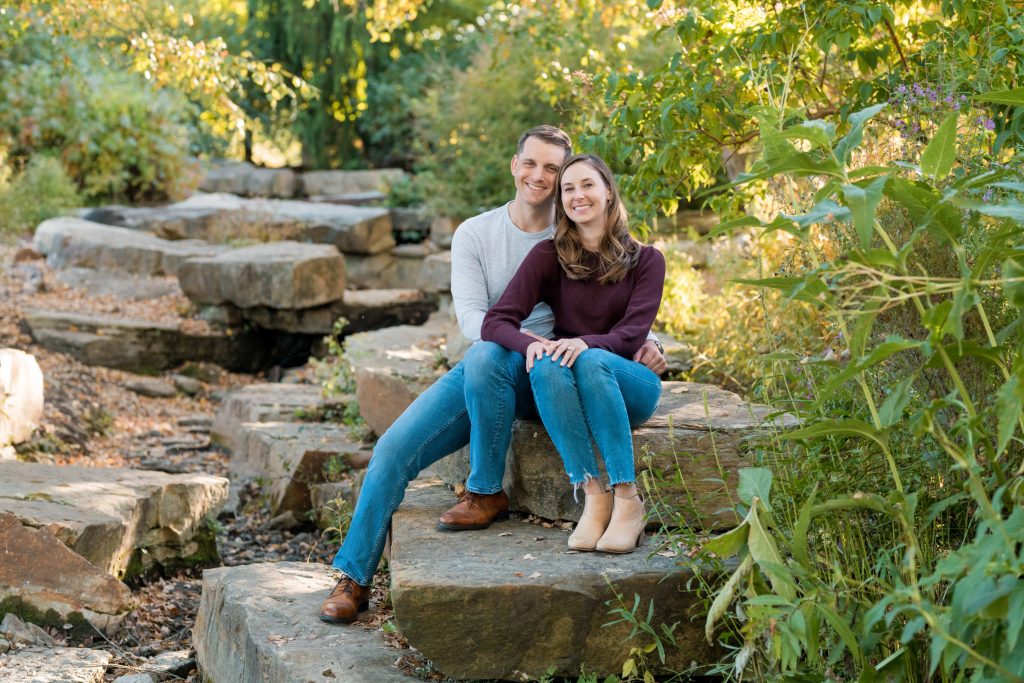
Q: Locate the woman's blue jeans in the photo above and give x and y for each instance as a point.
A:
(490, 386)
(602, 397)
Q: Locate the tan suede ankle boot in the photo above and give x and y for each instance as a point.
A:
(597, 510)
(625, 531)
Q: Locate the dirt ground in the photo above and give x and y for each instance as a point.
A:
(92, 419)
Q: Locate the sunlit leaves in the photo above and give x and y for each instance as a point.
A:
(863, 198)
(151, 38)
(939, 156)
(1012, 97)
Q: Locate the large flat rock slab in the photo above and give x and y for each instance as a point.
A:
(373, 271)
(144, 346)
(65, 588)
(244, 179)
(222, 217)
(694, 445)
(286, 458)
(393, 366)
(283, 275)
(349, 182)
(54, 665)
(261, 622)
(268, 402)
(123, 521)
(511, 602)
(73, 242)
(364, 309)
(120, 285)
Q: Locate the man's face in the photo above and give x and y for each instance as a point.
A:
(535, 171)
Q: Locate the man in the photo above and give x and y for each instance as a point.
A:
(486, 252)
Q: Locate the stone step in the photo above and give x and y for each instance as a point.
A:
(287, 458)
(260, 623)
(124, 521)
(250, 181)
(144, 346)
(280, 275)
(268, 402)
(512, 602)
(364, 309)
(106, 283)
(368, 198)
(65, 588)
(393, 366)
(54, 665)
(73, 242)
(224, 217)
(693, 446)
(349, 182)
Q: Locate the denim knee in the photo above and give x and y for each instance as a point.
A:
(484, 353)
(544, 370)
(594, 360)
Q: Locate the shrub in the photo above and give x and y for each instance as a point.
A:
(468, 126)
(116, 135)
(43, 190)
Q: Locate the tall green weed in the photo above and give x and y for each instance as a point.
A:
(884, 539)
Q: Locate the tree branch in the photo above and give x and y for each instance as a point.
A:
(896, 42)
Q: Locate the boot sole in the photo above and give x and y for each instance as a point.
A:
(442, 526)
(334, 620)
(639, 542)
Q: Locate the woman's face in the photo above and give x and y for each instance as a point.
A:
(584, 195)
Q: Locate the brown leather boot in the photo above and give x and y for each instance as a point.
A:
(475, 511)
(345, 602)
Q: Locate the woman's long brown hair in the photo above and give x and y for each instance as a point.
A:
(618, 251)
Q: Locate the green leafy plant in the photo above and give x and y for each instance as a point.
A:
(916, 571)
(43, 190)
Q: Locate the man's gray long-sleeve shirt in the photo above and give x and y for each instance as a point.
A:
(487, 250)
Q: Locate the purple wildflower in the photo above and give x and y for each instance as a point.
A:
(987, 197)
(990, 124)
(915, 127)
(918, 90)
(900, 123)
(948, 99)
(901, 89)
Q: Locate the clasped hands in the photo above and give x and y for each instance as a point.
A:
(568, 350)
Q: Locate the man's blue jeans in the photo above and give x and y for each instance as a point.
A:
(602, 396)
(486, 388)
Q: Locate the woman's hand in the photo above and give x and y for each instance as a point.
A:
(569, 350)
(537, 350)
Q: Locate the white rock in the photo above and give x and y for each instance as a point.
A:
(21, 396)
(54, 665)
(20, 633)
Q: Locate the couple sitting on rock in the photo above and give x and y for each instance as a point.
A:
(559, 301)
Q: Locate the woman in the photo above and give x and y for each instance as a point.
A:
(604, 288)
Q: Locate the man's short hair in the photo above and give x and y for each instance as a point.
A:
(550, 135)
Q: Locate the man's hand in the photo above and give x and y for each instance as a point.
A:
(650, 356)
